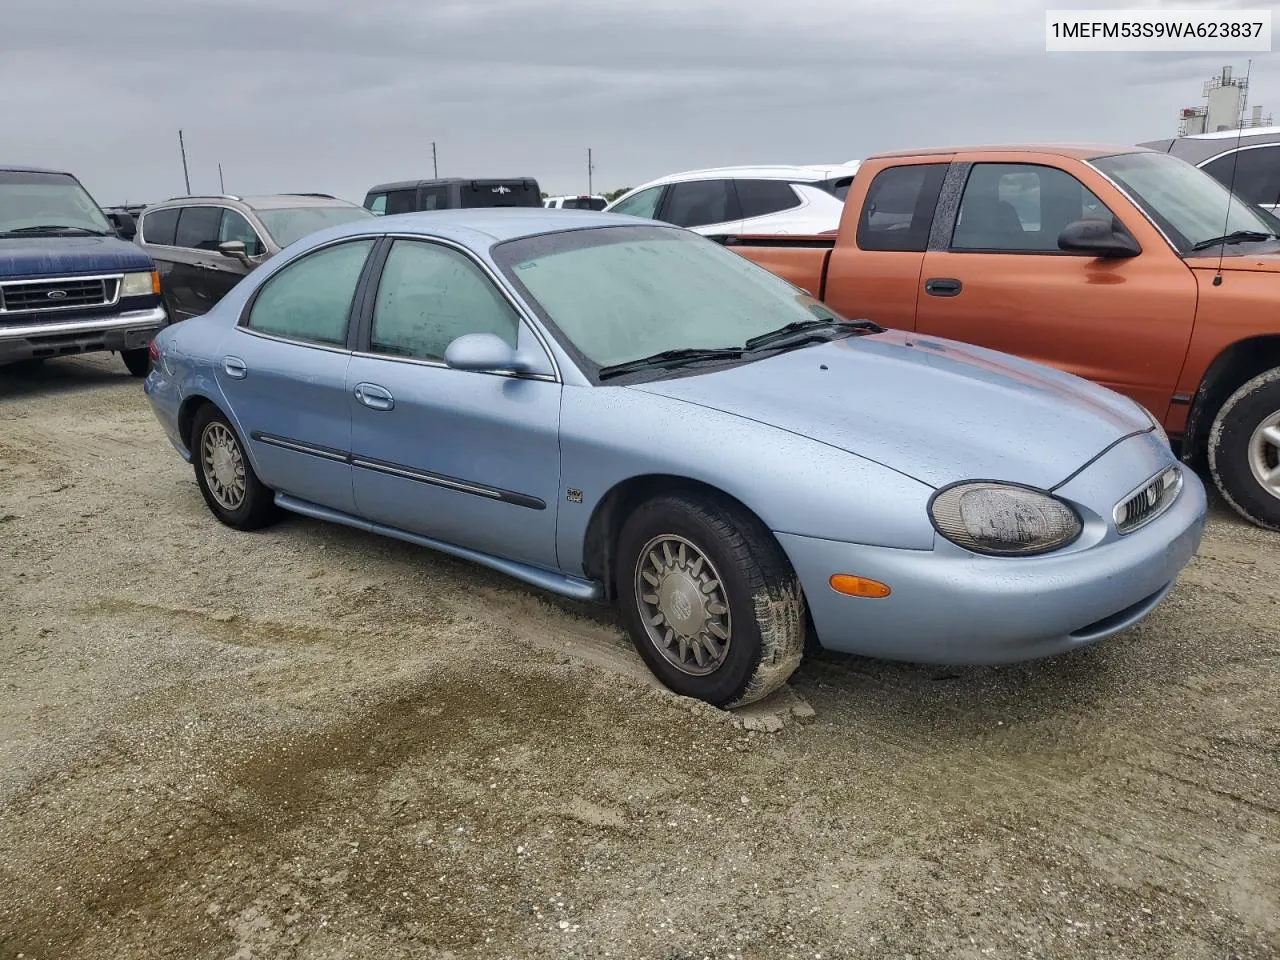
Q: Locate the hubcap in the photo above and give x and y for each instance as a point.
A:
(223, 465)
(1264, 454)
(682, 605)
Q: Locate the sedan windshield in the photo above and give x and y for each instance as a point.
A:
(47, 203)
(619, 294)
(287, 224)
(1189, 205)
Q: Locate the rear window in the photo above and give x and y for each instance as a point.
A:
(584, 203)
(500, 193)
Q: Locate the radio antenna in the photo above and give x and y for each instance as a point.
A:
(1231, 186)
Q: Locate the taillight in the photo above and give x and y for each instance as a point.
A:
(153, 351)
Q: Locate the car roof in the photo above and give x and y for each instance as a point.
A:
(441, 181)
(268, 201)
(1199, 147)
(1079, 151)
(811, 173)
(495, 223)
(6, 168)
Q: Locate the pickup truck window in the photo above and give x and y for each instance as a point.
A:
(1021, 207)
(30, 201)
(898, 212)
(1257, 173)
(696, 203)
(1187, 204)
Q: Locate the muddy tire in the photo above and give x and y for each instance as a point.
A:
(1244, 450)
(138, 361)
(224, 474)
(709, 599)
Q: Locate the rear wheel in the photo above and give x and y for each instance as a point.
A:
(226, 478)
(1244, 450)
(138, 361)
(709, 599)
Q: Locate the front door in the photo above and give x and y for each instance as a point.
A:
(469, 458)
(284, 370)
(1003, 283)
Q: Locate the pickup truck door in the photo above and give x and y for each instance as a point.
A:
(994, 276)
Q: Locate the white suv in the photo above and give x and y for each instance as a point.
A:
(732, 201)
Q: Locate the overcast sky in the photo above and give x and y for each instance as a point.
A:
(336, 95)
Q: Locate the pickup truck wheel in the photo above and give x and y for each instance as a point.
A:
(226, 479)
(709, 599)
(138, 361)
(1244, 450)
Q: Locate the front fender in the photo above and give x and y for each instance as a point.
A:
(796, 485)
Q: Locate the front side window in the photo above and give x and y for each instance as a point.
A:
(759, 198)
(310, 298)
(160, 226)
(428, 296)
(642, 204)
(1255, 171)
(898, 212)
(287, 224)
(697, 203)
(622, 293)
(198, 228)
(47, 203)
(1021, 207)
(236, 227)
(1189, 205)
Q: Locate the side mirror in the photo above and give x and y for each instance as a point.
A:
(485, 353)
(235, 249)
(126, 226)
(1101, 238)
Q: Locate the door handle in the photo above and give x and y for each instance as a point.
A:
(235, 367)
(374, 397)
(942, 287)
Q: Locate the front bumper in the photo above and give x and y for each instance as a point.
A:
(950, 606)
(130, 330)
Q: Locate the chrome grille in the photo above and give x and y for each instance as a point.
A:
(63, 293)
(1148, 501)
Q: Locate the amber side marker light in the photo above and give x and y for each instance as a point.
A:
(155, 282)
(852, 586)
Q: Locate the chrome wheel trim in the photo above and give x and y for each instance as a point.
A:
(222, 463)
(682, 605)
(1264, 454)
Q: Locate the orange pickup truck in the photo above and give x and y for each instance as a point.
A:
(1126, 266)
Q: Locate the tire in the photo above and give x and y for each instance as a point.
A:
(247, 508)
(744, 588)
(138, 361)
(1244, 450)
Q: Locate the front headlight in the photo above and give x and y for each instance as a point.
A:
(140, 284)
(1003, 519)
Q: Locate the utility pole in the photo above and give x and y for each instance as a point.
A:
(222, 187)
(435, 170)
(590, 170)
(185, 176)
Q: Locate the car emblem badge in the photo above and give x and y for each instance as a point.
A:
(56, 294)
(681, 605)
(573, 495)
(501, 189)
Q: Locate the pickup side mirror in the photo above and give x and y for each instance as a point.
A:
(1101, 238)
(489, 353)
(126, 227)
(235, 249)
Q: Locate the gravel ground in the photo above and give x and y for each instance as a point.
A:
(312, 743)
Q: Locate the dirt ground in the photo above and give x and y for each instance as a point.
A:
(309, 742)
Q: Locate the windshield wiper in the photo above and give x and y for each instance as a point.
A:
(1238, 236)
(670, 358)
(52, 228)
(784, 333)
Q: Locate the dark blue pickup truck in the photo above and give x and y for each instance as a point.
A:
(70, 280)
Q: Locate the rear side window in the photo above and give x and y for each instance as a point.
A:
(759, 198)
(1257, 173)
(435, 198)
(198, 228)
(696, 203)
(401, 201)
(160, 227)
(898, 212)
(310, 299)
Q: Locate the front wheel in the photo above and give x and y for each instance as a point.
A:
(709, 599)
(1244, 450)
(138, 361)
(232, 490)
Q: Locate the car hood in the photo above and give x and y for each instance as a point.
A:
(933, 409)
(23, 257)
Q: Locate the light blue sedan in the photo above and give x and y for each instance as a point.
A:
(614, 409)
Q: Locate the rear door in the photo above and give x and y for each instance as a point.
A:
(157, 232)
(193, 275)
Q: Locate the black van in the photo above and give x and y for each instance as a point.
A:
(410, 196)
